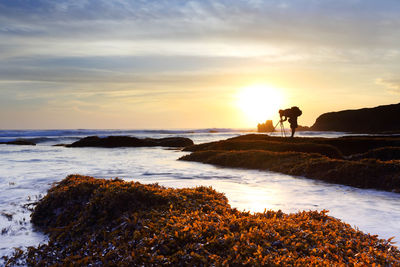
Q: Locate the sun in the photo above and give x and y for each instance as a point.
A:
(259, 102)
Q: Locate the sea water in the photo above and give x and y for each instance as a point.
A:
(27, 172)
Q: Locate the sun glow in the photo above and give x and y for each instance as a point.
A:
(259, 102)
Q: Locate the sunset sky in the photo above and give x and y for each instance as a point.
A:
(185, 64)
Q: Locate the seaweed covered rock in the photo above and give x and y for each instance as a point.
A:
(276, 145)
(383, 153)
(347, 145)
(127, 141)
(360, 161)
(367, 173)
(350, 145)
(101, 222)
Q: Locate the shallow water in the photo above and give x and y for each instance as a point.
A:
(27, 172)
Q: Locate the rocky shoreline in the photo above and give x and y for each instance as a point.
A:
(359, 161)
(115, 141)
(111, 222)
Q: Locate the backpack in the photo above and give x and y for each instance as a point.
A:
(296, 111)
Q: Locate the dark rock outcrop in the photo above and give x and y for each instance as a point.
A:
(20, 142)
(302, 128)
(359, 161)
(127, 141)
(347, 145)
(366, 173)
(367, 120)
(383, 154)
(65, 145)
(275, 144)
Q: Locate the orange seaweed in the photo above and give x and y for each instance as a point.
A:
(112, 222)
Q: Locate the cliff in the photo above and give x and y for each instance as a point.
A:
(367, 120)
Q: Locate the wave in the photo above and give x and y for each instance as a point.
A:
(46, 135)
(38, 140)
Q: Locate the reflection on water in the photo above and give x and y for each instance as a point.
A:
(27, 173)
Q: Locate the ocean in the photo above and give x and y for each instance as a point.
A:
(27, 172)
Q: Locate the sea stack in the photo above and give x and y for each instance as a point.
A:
(265, 127)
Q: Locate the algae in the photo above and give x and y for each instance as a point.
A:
(324, 159)
(98, 222)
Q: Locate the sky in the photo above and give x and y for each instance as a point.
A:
(115, 64)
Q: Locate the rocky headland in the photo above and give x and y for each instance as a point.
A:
(381, 119)
(102, 222)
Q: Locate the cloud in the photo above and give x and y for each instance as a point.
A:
(297, 31)
(392, 83)
(69, 51)
(333, 24)
(139, 70)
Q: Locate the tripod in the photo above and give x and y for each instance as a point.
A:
(283, 133)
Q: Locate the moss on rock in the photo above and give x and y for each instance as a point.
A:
(347, 145)
(383, 153)
(316, 158)
(366, 173)
(269, 145)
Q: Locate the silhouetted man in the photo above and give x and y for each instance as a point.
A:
(291, 113)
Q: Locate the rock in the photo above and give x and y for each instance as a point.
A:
(329, 159)
(367, 120)
(127, 141)
(20, 142)
(174, 141)
(382, 153)
(302, 128)
(265, 127)
(109, 222)
(268, 143)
